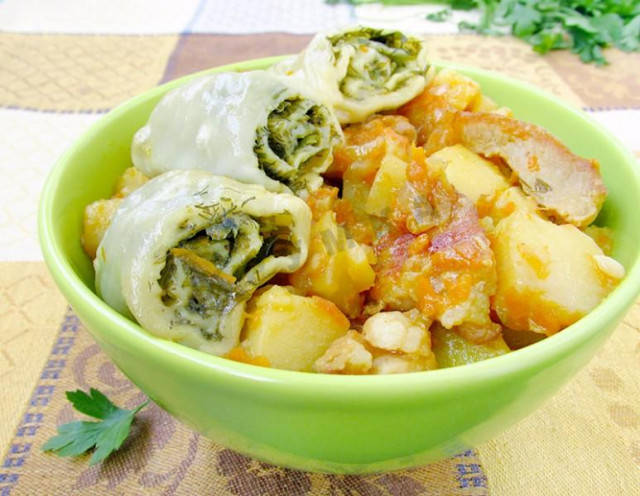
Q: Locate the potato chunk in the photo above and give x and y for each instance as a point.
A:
(448, 92)
(549, 276)
(130, 180)
(476, 178)
(482, 103)
(98, 215)
(289, 330)
(391, 175)
(337, 268)
(566, 186)
(97, 219)
(510, 201)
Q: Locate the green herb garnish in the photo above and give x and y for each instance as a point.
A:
(585, 27)
(106, 436)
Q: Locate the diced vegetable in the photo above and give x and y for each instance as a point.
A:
(97, 218)
(473, 176)
(452, 350)
(289, 330)
(337, 268)
(389, 178)
(549, 276)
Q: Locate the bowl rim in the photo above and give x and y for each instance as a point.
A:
(130, 334)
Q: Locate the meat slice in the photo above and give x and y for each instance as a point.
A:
(567, 187)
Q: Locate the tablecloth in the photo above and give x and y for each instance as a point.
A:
(63, 64)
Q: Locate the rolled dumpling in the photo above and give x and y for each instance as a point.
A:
(185, 252)
(251, 126)
(360, 71)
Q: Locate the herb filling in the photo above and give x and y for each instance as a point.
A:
(207, 275)
(379, 63)
(297, 140)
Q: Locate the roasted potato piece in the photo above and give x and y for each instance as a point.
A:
(391, 175)
(567, 187)
(448, 92)
(478, 179)
(512, 200)
(98, 215)
(130, 180)
(337, 268)
(97, 218)
(549, 276)
(291, 331)
(482, 103)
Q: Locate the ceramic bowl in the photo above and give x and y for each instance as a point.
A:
(338, 424)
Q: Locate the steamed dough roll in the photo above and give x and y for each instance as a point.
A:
(186, 251)
(251, 126)
(360, 71)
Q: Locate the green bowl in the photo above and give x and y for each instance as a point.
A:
(325, 423)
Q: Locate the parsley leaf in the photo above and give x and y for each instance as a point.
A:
(585, 27)
(630, 37)
(106, 436)
(440, 16)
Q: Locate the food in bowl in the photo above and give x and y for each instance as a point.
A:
(185, 252)
(432, 229)
(360, 71)
(328, 422)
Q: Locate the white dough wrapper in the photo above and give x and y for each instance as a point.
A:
(250, 126)
(185, 252)
(360, 71)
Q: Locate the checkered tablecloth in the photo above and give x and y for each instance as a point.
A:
(64, 64)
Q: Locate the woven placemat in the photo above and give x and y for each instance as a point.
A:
(164, 457)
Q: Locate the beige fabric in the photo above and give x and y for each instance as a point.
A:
(78, 73)
(587, 436)
(31, 309)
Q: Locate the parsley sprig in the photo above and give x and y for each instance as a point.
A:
(583, 26)
(106, 436)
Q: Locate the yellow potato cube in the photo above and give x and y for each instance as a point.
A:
(510, 201)
(289, 330)
(97, 218)
(391, 175)
(461, 90)
(452, 350)
(482, 103)
(130, 180)
(549, 275)
(473, 176)
(337, 268)
(97, 215)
